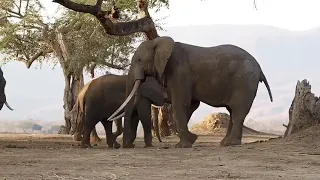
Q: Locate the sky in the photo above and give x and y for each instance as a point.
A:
(294, 15)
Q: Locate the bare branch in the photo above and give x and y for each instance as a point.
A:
(13, 12)
(20, 5)
(27, 6)
(255, 4)
(36, 56)
(145, 24)
(115, 66)
(98, 5)
(29, 61)
(92, 67)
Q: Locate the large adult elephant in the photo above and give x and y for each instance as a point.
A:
(103, 95)
(3, 99)
(220, 76)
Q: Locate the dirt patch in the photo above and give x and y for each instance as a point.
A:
(25, 156)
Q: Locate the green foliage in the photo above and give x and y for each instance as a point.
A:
(24, 33)
(21, 29)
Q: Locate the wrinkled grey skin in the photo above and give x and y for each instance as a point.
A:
(220, 76)
(2, 92)
(105, 94)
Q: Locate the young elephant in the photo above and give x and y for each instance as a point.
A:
(102, 96)
(3, 100)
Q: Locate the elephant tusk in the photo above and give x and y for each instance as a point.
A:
(117, 117)
(134, 89)
(158, 107)
(8, 106)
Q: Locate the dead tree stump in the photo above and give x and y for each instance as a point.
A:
(304, 111)
(167, 126)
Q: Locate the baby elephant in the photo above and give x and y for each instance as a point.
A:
(99, 98)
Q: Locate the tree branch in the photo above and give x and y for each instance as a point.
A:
(92, 67)
(115, 66)
(145, 24)
(255, 4)
(36, 56)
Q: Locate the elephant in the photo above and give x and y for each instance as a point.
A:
(220, 76)
(102, 96)
(3, 100)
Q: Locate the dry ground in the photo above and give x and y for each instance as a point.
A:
(26, 156)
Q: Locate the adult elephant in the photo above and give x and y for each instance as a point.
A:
(3, 99)
(220, 76)
(102, 96)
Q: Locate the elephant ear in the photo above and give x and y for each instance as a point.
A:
(162, 51)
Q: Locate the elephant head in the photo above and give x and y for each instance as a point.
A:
(2, 93)
(150, 59)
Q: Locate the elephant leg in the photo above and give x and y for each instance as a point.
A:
(118, 123)
(238, 115)
(180, 112)
(110, 138)
(88, 126)
(194, 105)
(134, 128)
(144, 112)
(229, 127)
(94, 135)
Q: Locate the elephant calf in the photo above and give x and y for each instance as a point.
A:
(99, 98)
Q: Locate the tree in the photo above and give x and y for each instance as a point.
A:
(144, 24)
(75, 41)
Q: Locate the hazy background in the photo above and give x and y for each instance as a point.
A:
(284, 42)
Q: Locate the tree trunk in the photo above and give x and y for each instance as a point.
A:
(167, 126)
(73, 78)
(73, 84)
(304, 110)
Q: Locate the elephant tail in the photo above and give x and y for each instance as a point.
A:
(264, 80)
(78, 111)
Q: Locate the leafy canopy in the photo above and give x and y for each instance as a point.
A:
(26, 34)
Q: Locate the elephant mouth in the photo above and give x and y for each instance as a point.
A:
(123, 105)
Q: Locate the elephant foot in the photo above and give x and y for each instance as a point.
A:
(128, 145)
(86, 146)
(183, 144)
(227, 141)
(148, 146)
(115, 145)
(192, 137)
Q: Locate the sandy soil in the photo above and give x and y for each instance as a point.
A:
(27, 156)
